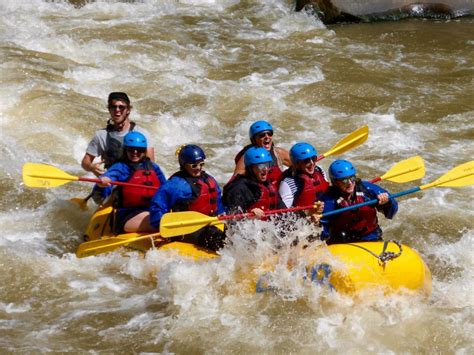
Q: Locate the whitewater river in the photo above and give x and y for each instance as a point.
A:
(202, 72)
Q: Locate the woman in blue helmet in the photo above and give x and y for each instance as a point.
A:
(359, 224)
(261, 135)
(189, 189)
(252, 191)
(136, 168)
(304, 182)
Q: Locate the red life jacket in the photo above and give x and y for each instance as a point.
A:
(205, 194)
(358, 222)
(314, 185)
(131, 197)
(268, 198)
(274, 173)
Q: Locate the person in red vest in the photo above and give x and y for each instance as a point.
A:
(135, 168)
(261, 135)
(191, 188)
(304, 182)
(357, 225)
(252, 191)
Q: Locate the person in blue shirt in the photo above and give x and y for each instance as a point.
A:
(135, 168)
(359, 224)
(189, 189)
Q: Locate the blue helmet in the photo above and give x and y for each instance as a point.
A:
(134, 140)
(341, 169)
(255, 155)
(190, 154)
(259, 126)
(302, 151)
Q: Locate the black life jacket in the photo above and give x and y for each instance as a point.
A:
(113, 146)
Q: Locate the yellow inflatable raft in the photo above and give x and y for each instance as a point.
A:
(346, 268)
(354, 267)
(100, 230)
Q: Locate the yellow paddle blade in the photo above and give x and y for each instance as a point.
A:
(81, 202)
(462, 175)
(353, 140)
(182, 223)
(107, 245)
(42, 175)
(407, 170)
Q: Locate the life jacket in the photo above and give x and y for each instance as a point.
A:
(310, 188)
(204, 194)
(113, 146)
(133, 197)
(268, 199)
(274, 173)
(354, 224)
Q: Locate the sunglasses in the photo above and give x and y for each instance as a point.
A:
(311, 160)
(263, 166)
(138, 150)
(265, 134)
(348, 180)
(197, 165)
(119, 107)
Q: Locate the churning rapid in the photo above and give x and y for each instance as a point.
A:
(201, 71)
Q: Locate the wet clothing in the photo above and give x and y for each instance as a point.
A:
(274, 173)
(356, 225)
(107, 143)
(128, 201)
(244, 194)
(211, 238)
(183, 192)
(302, 189)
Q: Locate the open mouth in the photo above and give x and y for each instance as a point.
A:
(267, 142)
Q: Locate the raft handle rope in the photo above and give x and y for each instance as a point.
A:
(384, 255)
(389, 255)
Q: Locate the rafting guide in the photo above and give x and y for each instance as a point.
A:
(106, 146)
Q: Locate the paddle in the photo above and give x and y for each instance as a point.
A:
(407, 170)
(182, 223)
(100, 246)
(46, 176)
(82, 202)
(462, 175)
(353, 140)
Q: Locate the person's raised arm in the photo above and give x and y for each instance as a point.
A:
(240, 166)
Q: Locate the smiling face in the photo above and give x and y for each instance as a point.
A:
(264, 139)
(135, 155)
(260, 171)
(307, 165)
(346, 185)
(119, 111)
(195, 169)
